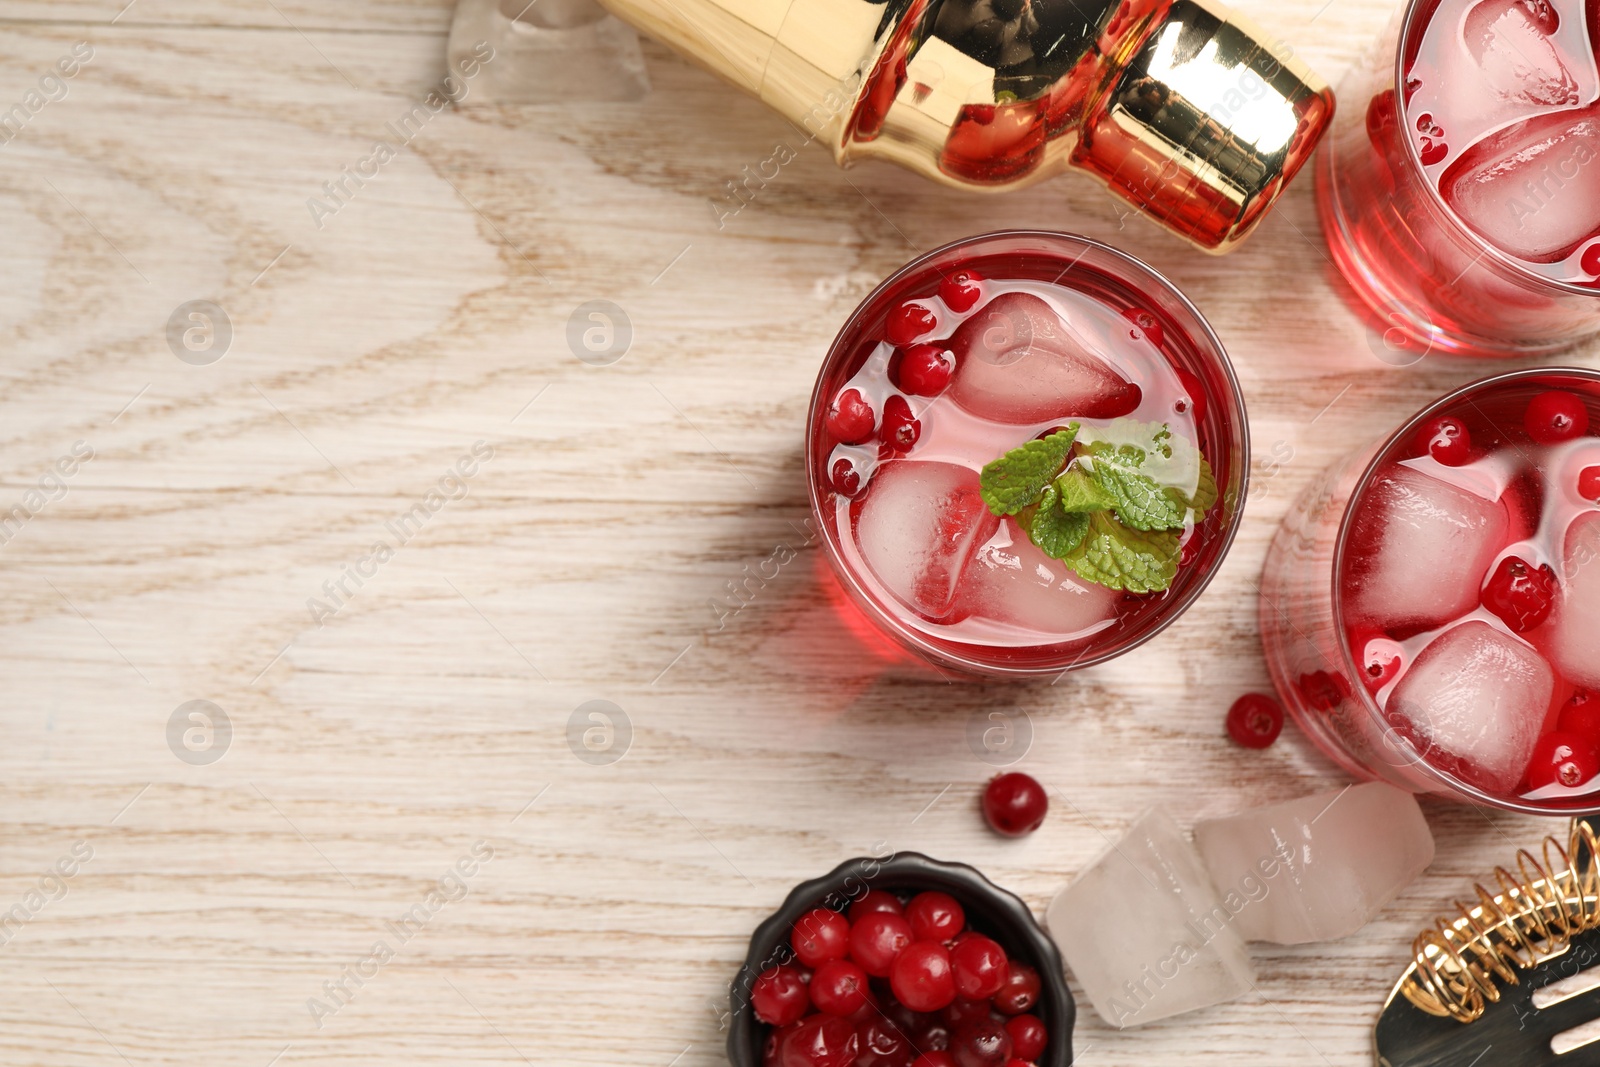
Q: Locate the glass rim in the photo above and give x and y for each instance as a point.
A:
(1341, 543)
(1204, 336)
(1436, 198)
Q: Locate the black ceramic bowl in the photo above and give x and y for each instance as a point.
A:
(990, 910)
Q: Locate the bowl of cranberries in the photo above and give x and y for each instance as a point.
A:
(901, 962)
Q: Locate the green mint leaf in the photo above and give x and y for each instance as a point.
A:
(1079, 493)
(1154, 477)
(1018, 478)
(1055, 530)
(1121, 558)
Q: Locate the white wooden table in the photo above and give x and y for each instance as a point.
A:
(374, 741)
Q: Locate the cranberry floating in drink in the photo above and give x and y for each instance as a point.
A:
(1434, 619)
(1027, 453)
(1460, 192)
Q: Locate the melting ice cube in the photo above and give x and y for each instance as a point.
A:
(919, 524)
(1533, 189)
(1510, 40)
(1320, 867)
(1473, 703)
(1431, 545)
(1144, 932)
(1017, 583)
(1017, 361)
(1575, 627)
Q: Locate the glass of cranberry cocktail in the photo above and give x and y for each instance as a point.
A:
(1460, 189)
(1430, 607)
(1027, 453)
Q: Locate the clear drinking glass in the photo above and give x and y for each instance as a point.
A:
(1460, 188)
(1430, 607)
(974, 350)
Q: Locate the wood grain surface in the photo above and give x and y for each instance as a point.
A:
(375, 742)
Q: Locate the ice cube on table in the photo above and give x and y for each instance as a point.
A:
(1317, 868)
(919, 525)
(1017, 361)
(1013, 581)
(1474, 703)
(1510, 41)
(1574, 628)
(1532, 189)
(1144, 932)
(1431, 545)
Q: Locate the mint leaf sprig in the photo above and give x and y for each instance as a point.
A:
(1110, 503)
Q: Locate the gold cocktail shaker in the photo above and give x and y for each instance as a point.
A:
(1181, 107)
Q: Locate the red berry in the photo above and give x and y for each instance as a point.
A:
(1520, 594)
(1381, 660)
(1563, 759)
(1196, 390)
(881, 1044)
(960, 290)
(900, 430)
(875, 900)
(1589, 484)
(1255, 720)
(772, 1051)
(1028, 1036)
(922, 369)
(963, 1010)
(1017, 1061)
(850, 417)
(1581, 715)
(839, 987)
(980, 966)
(1021, 991)
(821, 1041)
(877, 938)
(925, 1029)
(1148, 324)
(1556, 416)
(908, 322)
(779, 996)
(820, 935)
(921, 978)
(845, 478)
(981, 1043)
(1014, 804)
(935, 916)
(1447, 440)
(940, 1058)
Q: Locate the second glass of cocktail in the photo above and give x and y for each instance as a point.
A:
(1027, 453)
(1430, 607)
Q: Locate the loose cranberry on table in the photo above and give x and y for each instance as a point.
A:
(960, 290)
(875, 900)
(1447, 440)
(876, 939)
(909, 322)
(820, 1041)
(850, 418)
(1255, 720)
(979, 965)
(922, 369)
(935, 916)
(1028, 1036)
(981, 1043)
(1521, 594)
(779, 996)
(1561, 758)
(921, 978)
(839, 987)
(1556, 416)
(820, 935)
(1014, 804)
(1021, 991)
